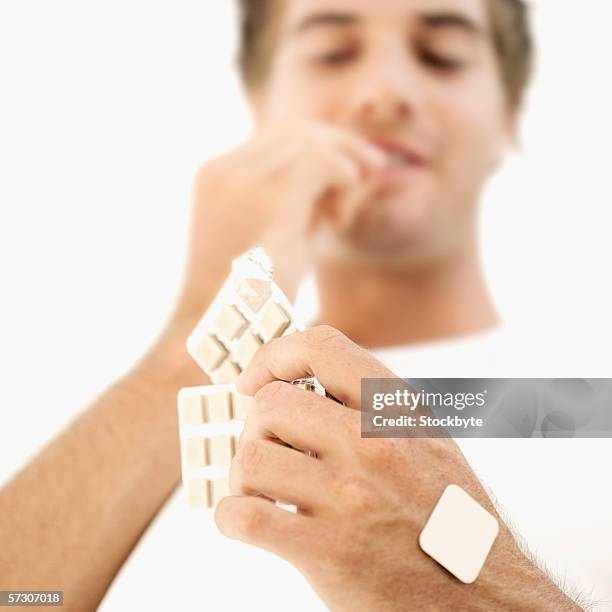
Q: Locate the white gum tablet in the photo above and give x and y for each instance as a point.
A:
(204, 493)
(198, 493)
(230, 323)
(249, 343)
(272, 322)
(209, 352)
(227, 373)
(241, 404)
(196, 452)
(221, 450)
(193, 410)
(218, 406)
(459, 534)
(219, 490)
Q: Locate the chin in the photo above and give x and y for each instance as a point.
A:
(389, 232)
(371, 248)
(393, 223)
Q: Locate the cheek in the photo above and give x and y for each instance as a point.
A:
(474, 133)
(295, 92)
(315, 103)
(292, 95)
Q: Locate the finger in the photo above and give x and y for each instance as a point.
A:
(338, 175)
(338, 363)
(369, 157)
(301, 419)
(263, 467)
(321, 136)
(270, 147)
(337, 157)
(352, 201)
(342, 171)
(261, 523)
(321, 171)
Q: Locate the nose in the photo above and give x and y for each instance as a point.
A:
(387, 91)
(378, 108)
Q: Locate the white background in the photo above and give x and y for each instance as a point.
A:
(108, 108)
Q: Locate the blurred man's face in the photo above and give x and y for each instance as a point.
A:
(418, 78)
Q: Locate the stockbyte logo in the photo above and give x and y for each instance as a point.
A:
(413, 399)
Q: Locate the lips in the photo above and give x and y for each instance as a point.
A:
(405, 168)
(400, 154)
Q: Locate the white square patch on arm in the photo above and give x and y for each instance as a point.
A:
(459, 534)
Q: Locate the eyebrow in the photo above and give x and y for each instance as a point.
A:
(327, 18)
(433, 21)
(436, 21)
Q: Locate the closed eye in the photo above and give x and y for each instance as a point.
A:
(333, 58)
(441, 62)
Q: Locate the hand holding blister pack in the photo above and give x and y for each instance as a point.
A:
(249, 311)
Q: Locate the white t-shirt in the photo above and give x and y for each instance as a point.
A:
(556, 492)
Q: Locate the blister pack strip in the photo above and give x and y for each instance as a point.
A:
(249, 311)
(211, 419)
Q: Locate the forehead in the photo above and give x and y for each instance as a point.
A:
(381, 11)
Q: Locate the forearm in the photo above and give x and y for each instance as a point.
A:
(70, 518)
(511, 581)
(508, 582)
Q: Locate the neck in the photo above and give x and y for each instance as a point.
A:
(377, 307)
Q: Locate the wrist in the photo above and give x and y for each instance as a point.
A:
(167, 365)
(510, 581)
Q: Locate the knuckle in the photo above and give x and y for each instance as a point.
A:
(359, 497)
(249, 457)
(221, 516)
(349, 489)
(324, 334)
(381, 453)
(249, 521)
(265, 398)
